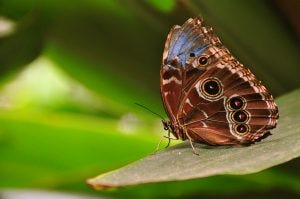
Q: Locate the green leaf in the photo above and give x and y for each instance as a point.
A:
(59, 151)
(40, 149)
(118, 93)
(179, 163)
(164, 6)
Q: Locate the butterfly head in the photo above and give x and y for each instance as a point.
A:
(166, 125)
(175, 129)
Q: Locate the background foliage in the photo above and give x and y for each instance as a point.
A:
(71, 72)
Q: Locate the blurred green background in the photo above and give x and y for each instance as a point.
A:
(71, 72)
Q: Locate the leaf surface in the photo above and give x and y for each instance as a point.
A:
(179, 163)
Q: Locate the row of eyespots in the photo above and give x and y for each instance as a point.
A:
(238, 115)
(212, 89)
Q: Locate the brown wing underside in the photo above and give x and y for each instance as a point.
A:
(171, 90)
(209, 119)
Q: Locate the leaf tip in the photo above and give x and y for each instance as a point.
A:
(96, 184)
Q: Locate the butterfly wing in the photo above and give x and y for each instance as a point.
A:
(242, 113)
(208, 93)
(180, 41)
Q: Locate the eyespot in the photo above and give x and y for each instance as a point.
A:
(202, 60)
(236, 103)
(212, 87)
(241, 129)
(240, 116)
(192, 55)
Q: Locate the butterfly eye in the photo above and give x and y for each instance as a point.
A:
(212, 87)
(242, 128)
(240, 116)
(203, 60)
(236, 103)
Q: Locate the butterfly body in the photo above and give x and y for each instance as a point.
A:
(208, 95)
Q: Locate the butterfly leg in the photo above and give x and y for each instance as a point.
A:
(169, 140)
(191, 143)
(157, 148)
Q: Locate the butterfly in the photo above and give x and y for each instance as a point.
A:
(207, 94)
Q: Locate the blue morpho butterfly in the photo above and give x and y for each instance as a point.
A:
(208, 95)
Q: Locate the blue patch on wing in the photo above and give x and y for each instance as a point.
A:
(185, 40)
(197, 51)
(178, 45)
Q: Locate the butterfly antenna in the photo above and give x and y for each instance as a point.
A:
(140, 105)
